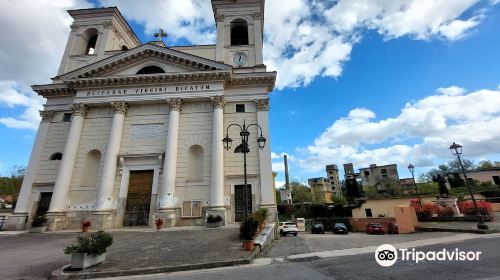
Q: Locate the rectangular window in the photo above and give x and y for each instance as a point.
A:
(67, 117)
(368, 212)
(240, 108)
(191, 208)
(367, 173)
(496, 179)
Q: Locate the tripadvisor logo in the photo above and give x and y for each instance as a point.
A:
(387, 255)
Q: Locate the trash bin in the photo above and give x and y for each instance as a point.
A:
(301, 224)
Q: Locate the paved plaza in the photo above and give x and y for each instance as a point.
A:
(35, 256)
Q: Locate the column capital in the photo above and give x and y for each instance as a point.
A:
(218, 101)
(119, 107)
(79, 109)
(175, 104)
(47, 116)
(262, 104)
(257, 15)
(219, 18)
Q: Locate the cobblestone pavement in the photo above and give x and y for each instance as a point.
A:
(306, 242)
(35, 256)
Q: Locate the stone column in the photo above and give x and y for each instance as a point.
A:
(18, 219)
(266, 172)
(104, 199)
(168, 202)
(217, 175)
(59, 202)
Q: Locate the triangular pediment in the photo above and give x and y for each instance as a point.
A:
(129, 62)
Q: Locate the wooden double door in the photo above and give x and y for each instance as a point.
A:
(138, 203)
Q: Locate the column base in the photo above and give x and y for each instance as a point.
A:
(56, 221)
(217, 210)
(16, 221)
(170, 216)
(102, 219)
(272, 216)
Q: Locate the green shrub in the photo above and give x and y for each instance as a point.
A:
(248, 229)
(39, 221)
(95, 243)
(214, 219)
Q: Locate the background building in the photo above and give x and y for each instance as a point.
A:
(322, 189)
(379, 176)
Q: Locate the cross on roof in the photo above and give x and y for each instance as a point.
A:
(160, 34)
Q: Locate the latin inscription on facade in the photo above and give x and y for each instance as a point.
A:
(149, 90)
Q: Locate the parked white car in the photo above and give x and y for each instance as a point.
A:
(287, 228)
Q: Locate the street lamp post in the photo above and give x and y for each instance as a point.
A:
(411, 168)
(243, 148)
(456, 150)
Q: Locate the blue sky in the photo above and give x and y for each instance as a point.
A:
(359, 81)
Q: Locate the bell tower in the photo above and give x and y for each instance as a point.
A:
(239, 32)
(95, 34)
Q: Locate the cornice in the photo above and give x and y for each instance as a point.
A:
(142, 52)
(53, 90)
(153, 78)
(250, 79)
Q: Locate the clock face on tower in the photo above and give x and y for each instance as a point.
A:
(240, 58)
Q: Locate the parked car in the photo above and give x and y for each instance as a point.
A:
(317, 228)
(340, 228)
(287, 228)
(375, 228)
(393, 228)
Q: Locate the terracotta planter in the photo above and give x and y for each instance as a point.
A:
(85, 228)
(261, 227)
(158, 227)
(248, 245)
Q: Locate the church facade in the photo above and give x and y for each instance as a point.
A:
(133, 132)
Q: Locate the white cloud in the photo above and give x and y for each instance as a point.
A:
(13, 95)
(305, 39)
(420, 134)
(190, 20)
(278, 166)
(34, 35)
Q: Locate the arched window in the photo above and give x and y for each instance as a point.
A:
(88, 41)
(239, 32)
(195, 164)
(91, 45)
(56, 156)
(150, 70)
(91, 169)
(124, 48)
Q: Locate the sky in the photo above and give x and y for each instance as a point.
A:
(359, 81)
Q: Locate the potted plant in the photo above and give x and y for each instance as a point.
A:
(159, 223)
(257, 216)
(248, 229)
(214, 221)
(86, 224)
(263, 212)
(38, 224)
(89, 250)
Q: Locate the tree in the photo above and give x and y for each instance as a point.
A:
(12, 185)
(300, 192)
(338, 200)
(453, 166)
(486, 164)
